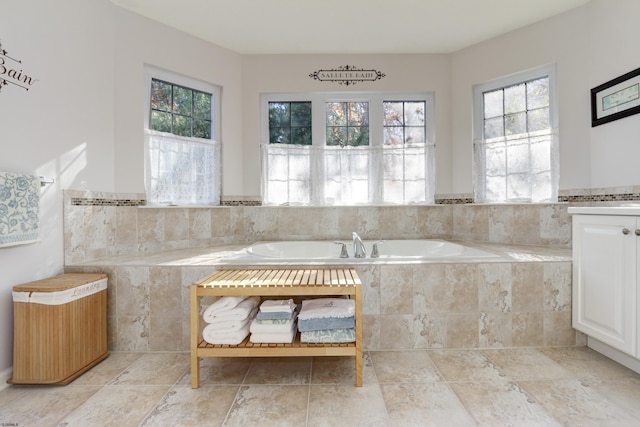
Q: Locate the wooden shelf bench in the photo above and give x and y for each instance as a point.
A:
(270, 283)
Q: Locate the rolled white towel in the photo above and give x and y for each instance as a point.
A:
(239, 312)
(224, 303)
(213, 335)
(228, 323)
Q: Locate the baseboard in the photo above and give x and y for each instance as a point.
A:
(620, 357)
(5, 376)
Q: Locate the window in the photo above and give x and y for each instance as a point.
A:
(375, 149)
(180, 110)
(515, 138)
(182, 148)
(290, 123)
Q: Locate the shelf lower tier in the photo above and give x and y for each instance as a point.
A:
(296, 348)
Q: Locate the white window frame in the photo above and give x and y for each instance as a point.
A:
(478, 130)
(150, 73)
(376, 129)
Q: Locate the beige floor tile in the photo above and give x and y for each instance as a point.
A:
(36, 406)
(465, 365)
(404, 366)
(496, 404)
(279, 370)
(341, 370)
(584, 362)
(346, 405)
(220, 370)
(269, 405)
(527, 364)
(573, 402)
(108, 369)
(424, 404)
(624, 392)
(120, 406)
(184, 406)
(154, 369)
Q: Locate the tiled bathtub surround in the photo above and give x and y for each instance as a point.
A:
(521, 300)
(96, 231)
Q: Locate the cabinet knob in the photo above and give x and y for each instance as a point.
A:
(637, 232)
(625, 231)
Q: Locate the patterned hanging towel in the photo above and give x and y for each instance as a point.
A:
(19, 209)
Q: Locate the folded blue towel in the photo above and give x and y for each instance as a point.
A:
(329, 335)
(276, 315)
(326, 323)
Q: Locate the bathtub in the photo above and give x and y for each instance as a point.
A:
(389, 250)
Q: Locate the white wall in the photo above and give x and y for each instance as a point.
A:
(56, 129)
(613, 51)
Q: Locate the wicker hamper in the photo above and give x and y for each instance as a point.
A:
(60, 328)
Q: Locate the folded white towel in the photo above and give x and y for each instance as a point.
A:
(212, 335)
(283, 337)
(239, 312)
(275, 305)
(327, 307)
(258, 327)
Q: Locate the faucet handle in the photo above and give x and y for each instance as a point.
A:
(343, 250)
(374, 251)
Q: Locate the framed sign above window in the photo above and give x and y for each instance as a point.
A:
(616, 98)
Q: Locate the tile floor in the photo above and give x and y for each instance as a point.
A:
(572, 386)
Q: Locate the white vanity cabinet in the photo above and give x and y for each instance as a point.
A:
(606, 246)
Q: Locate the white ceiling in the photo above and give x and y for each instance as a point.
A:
(347, 26)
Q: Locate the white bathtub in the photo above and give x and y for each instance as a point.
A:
(389, 250)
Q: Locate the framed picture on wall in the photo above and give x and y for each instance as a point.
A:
(616, 98)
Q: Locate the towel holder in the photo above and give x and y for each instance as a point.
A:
(46, 181)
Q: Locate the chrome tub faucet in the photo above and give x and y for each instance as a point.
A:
(359, 250)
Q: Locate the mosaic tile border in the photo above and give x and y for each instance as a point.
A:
(82, 201)
(581, 198)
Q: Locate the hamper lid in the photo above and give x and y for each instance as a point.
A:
(59, 283)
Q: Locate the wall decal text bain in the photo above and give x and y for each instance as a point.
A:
(11, 72)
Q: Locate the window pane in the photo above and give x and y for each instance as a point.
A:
(181, 125)
(358, 114)
(493, 104)
(414, 113)
(279, 114)
(336, 114)
(515, 124)
(393, 113)
(538, 120)
(202, 129)
(393, 135)
(201, 105)
(301, 114)
(336, 135)
(301, 135)
(415, 135)
(160, 95)
(515, 99)
(359, 135)
(494, 128)
(538, 93)
(279, 135)
(160, 121)
(182, 100)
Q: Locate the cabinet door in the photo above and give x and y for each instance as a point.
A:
(604, 279)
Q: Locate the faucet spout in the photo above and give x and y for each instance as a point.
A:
(359, 250)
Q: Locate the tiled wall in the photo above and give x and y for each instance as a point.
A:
(425, 306)
(98, 225)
